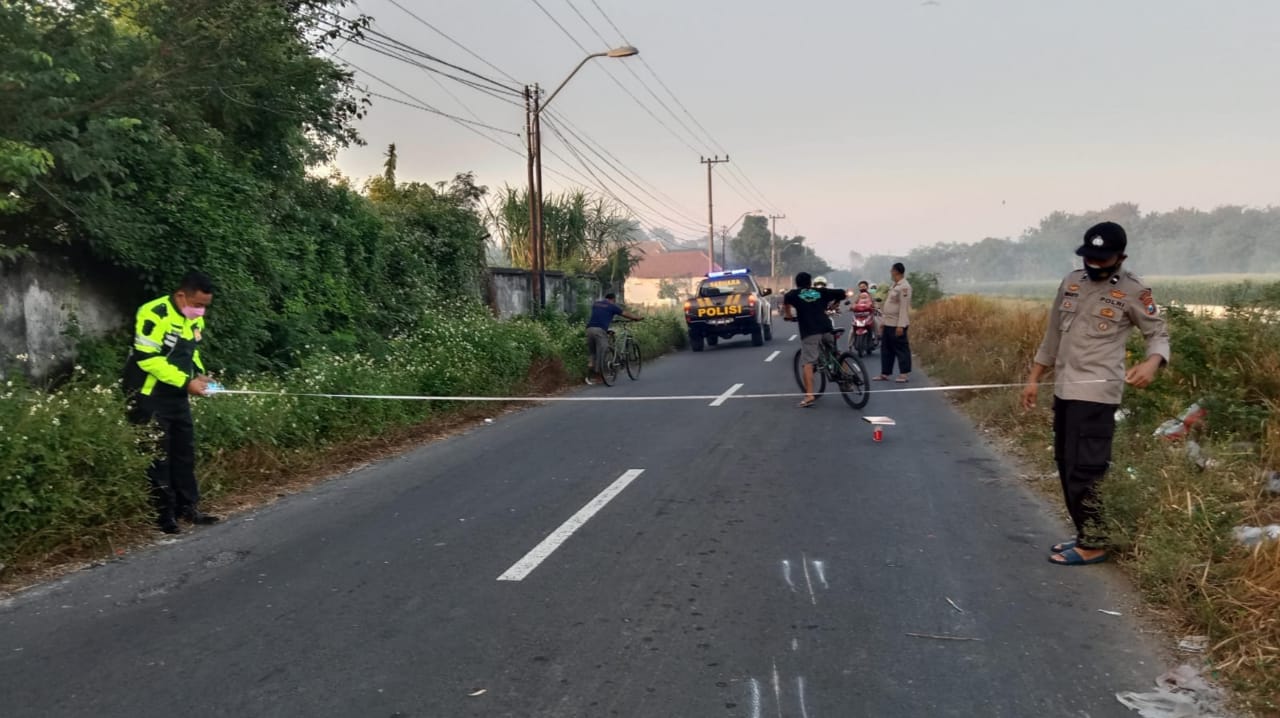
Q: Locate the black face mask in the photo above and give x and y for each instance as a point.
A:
(1102, 274)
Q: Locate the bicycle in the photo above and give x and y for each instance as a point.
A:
(844, 369)
(623, 353)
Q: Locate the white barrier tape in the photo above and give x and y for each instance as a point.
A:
(673, 397)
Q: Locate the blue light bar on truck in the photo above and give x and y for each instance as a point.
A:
(729, 273)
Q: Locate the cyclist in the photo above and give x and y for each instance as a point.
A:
(602, 313)
(807, 306)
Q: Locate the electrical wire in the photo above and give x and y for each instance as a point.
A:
(680, 217)
(735, 169)
(588, 166)
(367, 36)
(464, 48)
(615, 79)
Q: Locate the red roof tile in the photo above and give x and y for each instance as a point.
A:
(669, 265)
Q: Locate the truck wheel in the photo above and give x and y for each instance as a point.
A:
(757, 336)
(695, 342)
(768, 332)
(713, 340)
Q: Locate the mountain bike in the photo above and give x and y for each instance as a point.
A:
(844, 369)
(623, 353)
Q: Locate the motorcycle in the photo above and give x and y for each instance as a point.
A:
(864, 339)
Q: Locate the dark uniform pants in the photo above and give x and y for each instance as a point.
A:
(173, 473)
(893, 347)
(1082, 436)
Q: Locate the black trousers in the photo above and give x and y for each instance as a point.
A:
(893, 347)
(174, 490)
(1082, 435)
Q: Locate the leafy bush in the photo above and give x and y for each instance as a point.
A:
(70, 468)
(1171, 520)
(70, 473)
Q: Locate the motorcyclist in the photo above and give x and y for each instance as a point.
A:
(864, 290)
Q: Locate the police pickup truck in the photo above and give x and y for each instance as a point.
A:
(727, 304)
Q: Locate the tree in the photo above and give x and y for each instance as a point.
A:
(750, 248)
(795, 256)
(584, 233)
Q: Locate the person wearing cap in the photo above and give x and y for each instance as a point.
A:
(1094, 312)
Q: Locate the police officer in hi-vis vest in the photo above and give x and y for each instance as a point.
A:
(1092, 316)
(163, 371)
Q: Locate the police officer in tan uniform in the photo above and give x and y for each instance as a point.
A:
(896, 319)
(1089, 324)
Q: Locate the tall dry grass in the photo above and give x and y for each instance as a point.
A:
(1170, 520)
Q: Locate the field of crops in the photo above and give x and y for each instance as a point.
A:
(1206, 289)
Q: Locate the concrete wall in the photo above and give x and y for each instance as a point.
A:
(510, 291)
(39, 302)
(644, 291)
(40, 299)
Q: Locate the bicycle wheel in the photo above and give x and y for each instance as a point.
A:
(854, 382)
(819, 376)
(610, 373)
(631, 357)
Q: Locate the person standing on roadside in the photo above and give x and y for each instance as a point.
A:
(602, 313)
(163, 371)
(894, 343)
(1092, 316)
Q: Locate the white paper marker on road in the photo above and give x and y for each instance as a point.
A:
(725, 396)
(525, 566)
(773, 356)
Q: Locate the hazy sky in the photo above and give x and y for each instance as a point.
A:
(874, 126)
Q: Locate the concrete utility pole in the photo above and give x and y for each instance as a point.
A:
(711, 218)
(533, 107)
(533, 133)
(773, 244)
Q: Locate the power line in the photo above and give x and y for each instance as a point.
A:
(615, 79)
(613, 162)
(591, 168)
(435, 111)
(465, 124)
(734, 169)
(683, 224)
(464, 48)
(630, 69)
(362, 38)
(392, 52)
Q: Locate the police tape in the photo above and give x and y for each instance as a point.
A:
(670, 397)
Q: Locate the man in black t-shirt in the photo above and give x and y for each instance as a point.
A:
(807, 306)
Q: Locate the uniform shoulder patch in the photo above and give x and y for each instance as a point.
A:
(1148, 302)
(161, 310)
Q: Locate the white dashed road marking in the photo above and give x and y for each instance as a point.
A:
(725, 396)
(525, 566)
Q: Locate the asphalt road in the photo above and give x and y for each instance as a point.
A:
(765, 561)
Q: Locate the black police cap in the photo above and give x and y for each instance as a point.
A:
(1103, 241)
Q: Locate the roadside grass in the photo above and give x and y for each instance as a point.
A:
(1171, 521)
(1205, 289)
(72, 480)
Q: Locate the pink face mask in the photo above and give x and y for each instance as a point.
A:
(191, 312)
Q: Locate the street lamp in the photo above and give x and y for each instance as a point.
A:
(533, 113)
(724, 236)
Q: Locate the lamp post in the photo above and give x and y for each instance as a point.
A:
(533, 111)
(724, 236)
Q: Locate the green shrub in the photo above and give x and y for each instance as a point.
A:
(70, 473)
